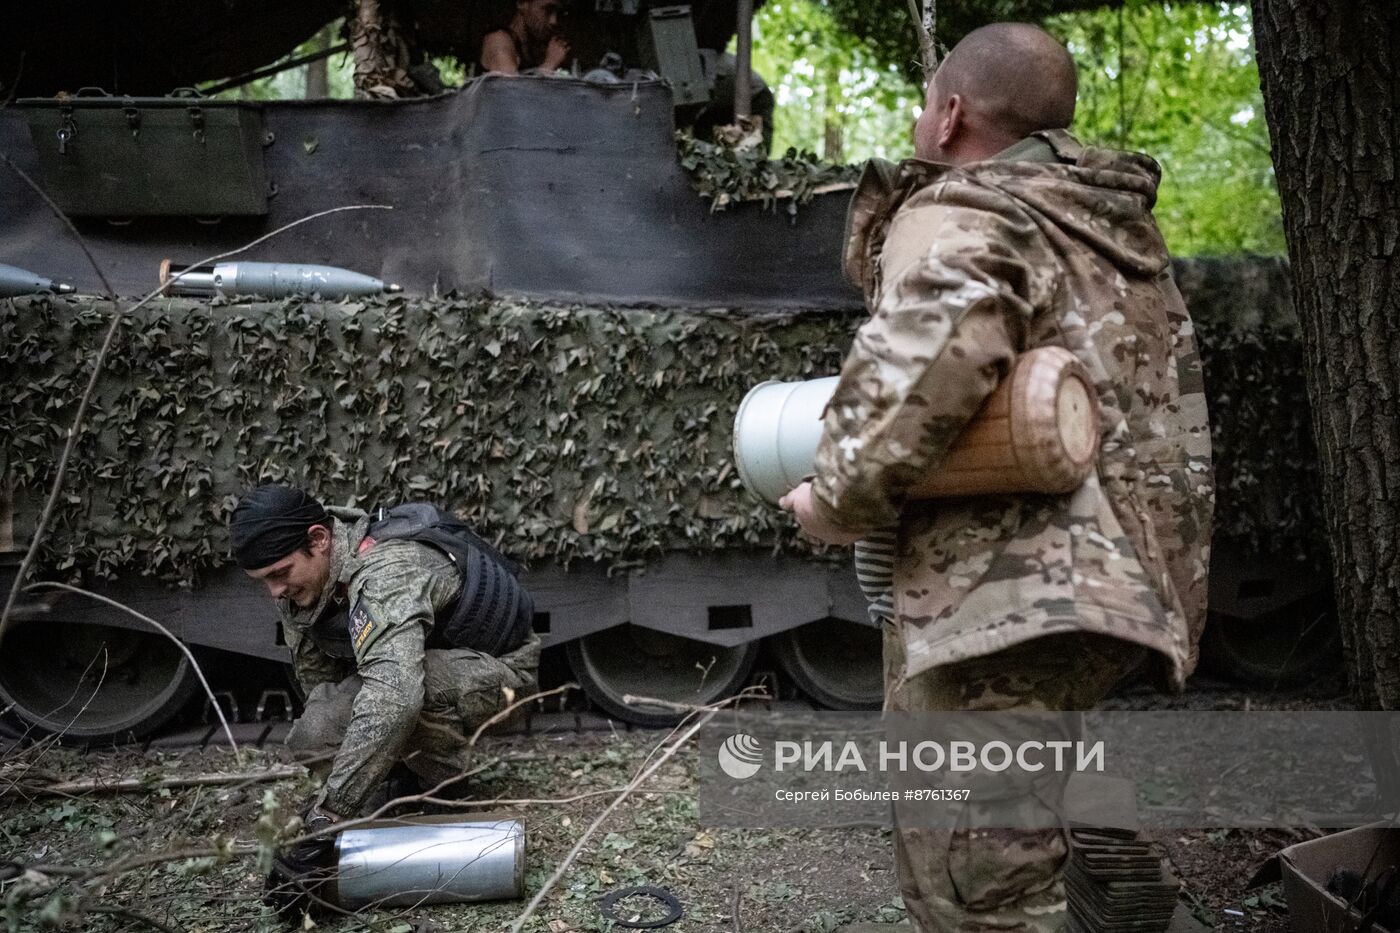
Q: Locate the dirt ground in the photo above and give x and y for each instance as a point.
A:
(730, 880)
(770, 880)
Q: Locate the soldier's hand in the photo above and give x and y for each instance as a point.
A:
(556, 54)
(799, 503)
(301, 869)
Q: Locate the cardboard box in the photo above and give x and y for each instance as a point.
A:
(1307, 866)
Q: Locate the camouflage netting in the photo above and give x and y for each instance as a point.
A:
(724, 174)
(1268, 497)
(565, 433)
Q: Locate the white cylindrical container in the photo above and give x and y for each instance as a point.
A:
(430, 860)
(776, 433)
(1038, 432)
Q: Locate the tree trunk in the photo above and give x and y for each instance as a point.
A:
(1332, 97)
(833, 131)
(318, 73)
(381, 59)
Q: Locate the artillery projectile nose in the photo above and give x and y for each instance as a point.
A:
(393, 289)
(15, 281)
(64, 289)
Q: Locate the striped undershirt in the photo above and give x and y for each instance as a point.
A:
(875, 574)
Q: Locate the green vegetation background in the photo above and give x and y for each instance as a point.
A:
(1177, 81)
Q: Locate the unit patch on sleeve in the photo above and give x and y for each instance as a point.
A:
(361, 624)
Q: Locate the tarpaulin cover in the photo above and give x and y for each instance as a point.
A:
(549, 187)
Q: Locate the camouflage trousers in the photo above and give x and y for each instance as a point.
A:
(1003, 880)
(462, 689)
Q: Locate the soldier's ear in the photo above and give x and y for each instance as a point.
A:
(954, 122)
(318, 539)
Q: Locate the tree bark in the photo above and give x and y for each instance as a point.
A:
(1332, 97)
(381, 58)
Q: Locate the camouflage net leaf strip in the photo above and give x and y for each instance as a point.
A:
(725, 174)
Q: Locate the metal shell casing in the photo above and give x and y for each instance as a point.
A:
(776, 432)
(430, 860)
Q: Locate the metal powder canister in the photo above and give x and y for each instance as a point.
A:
(430, 860)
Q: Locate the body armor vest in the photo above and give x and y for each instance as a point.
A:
(491, 613)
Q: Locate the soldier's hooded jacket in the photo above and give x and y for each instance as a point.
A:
(1048, 244)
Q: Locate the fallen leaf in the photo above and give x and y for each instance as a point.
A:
(699, 845)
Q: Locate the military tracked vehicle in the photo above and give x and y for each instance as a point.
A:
(552, 252)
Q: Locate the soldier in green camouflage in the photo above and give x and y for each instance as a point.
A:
(357, 615)
(1006, 234)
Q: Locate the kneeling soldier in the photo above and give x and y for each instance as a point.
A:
(407, 632)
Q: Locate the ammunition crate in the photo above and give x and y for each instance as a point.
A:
(103, 156)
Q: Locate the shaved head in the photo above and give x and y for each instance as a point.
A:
(998, 85)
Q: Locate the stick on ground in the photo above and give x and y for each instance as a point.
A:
(134, 785)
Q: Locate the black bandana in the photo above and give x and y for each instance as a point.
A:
(270, 522)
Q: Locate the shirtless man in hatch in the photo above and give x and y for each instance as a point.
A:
(531, 41)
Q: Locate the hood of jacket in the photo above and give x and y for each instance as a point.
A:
(1102, 198)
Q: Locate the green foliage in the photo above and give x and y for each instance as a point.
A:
(565, 433)
(1179, 82)
(291, 84)
(887, 27)
(832, 90)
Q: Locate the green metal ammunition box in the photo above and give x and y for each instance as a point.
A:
(141, 156)
(667, 46)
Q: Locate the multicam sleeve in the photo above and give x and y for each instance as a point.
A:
(964, 273)
(390, 612)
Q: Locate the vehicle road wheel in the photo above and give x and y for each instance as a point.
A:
(92, 684)
(838, 664)
(628, 660)
(1284, 648)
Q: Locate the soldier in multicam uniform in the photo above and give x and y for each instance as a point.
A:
(1006, 234)
(357, 615)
